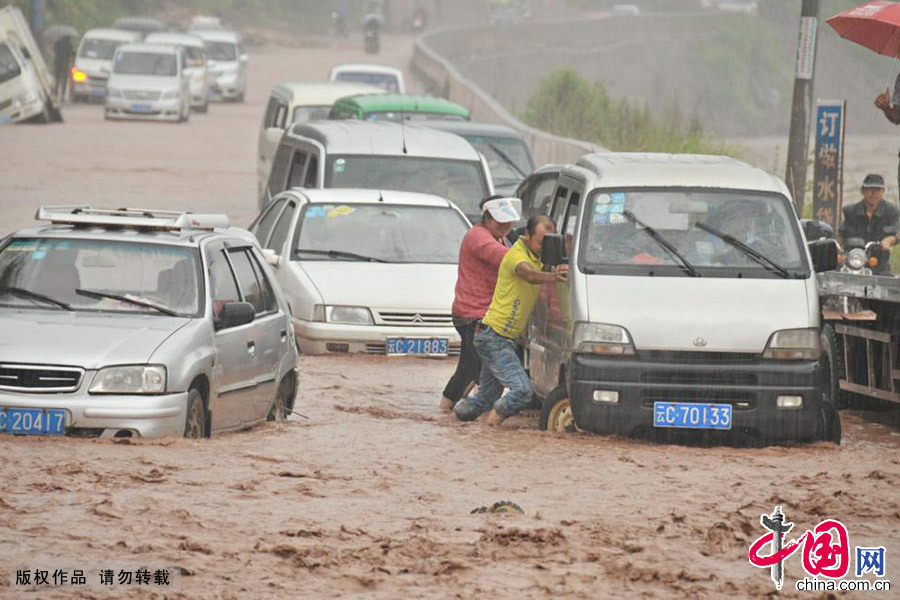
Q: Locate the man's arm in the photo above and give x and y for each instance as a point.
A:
(883, 101)
(533, 276)
(489, 250)
(891, 228)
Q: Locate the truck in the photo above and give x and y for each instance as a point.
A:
(26, 85)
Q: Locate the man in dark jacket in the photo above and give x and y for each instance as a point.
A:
(872, 220)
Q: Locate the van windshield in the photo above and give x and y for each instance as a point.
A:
(220, 51)
(460, 181)
(94, 48)
(507, 157)
(146, 63)
(627, 231)
(9, 68)
(383, 80)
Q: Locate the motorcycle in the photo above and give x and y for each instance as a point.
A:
(858, 256)
(371, 33)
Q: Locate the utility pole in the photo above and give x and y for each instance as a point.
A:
(798, 142)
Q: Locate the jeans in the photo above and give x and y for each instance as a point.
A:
(469, 365)
(500, 367)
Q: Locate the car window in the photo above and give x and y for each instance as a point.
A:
(269, 117)
(279, 235)
(280, 115)
(146, 63)
(559, 205)
(537, 196)
(264, 226)
(295, 179)
(305, 114)
(252, 290)
(269, 303)
(280, 166)
(312, 172)
(223, 288)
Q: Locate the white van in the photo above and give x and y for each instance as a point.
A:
(691, 304)
(93, 61)
(380, 156)
(26, 86)
(227, 64)
(195, 64)
(291, 103)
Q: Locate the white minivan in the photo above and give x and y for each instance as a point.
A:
(195, 64)
(93, 62)
(227, 64)
(690, 308)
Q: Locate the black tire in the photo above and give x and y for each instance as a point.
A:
(283, 402)
(833, 363)
(829, 429)
(556, 412)
(195, 424)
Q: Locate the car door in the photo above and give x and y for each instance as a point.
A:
(269, 136)
(234, 375)
(269, 330)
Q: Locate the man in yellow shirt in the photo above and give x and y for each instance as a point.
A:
(518, 285)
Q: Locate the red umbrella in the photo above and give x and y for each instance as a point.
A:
(875, 25)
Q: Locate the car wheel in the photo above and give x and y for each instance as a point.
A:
(829, 428)
(195, 422)
(833, 366)
(281, 406)
(556, 412)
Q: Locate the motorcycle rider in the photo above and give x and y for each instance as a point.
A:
(872, 219)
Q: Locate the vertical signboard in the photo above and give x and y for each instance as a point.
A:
(828, 171)
(806, 47)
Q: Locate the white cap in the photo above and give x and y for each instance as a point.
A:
(503, 210)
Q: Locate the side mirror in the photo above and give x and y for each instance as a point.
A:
(235, 314)
(271, 257)
(25, 53)
(824, 255)
(553, 250)
(816, 230)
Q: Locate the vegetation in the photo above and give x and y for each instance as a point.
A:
(567, 104)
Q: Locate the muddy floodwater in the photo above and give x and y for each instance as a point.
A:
(370, 495)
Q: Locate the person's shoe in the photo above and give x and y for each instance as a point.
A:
(464, 410)
(446, 403)
(494, 418)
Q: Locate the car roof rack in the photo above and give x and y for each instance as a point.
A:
(131, 218)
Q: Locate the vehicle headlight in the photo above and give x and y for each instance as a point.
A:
(347, 315)
(131, 379)
(794, 344)
(113, 93)
(601, 338)
(856, 258)
(171, 94)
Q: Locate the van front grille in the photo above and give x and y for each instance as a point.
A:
(39, 378)
(414, 318)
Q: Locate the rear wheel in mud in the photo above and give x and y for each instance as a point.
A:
(195, 422)
(829, 429)
(284, 401)
(556, 412)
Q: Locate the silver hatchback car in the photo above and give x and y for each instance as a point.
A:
(141, 323)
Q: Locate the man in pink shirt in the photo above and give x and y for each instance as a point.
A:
(483, 247)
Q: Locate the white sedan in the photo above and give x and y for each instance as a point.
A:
(366, 270)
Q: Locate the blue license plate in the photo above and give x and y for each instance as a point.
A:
(692, 415)
(432, 346)
(33, 421)
(141, 107)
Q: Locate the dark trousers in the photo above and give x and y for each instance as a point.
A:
(469, 365)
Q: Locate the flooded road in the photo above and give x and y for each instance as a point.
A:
(370, 495)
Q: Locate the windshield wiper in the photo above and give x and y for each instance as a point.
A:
(128, 299)
(507, 160)
(685, 265)
(342, 254)
(17, 291)
(756, 255)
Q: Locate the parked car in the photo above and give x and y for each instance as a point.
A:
(383, 156)
(536, 191)
(227, 64)
(148, 82)
(507, 153)
(396, 108)
(291, 103)
(93, 62)
(142, 25)
(387, 78)
(366, 270)
(26, 86)
(140, 323)
(205, 22)
(195, 65)
(691, 304)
